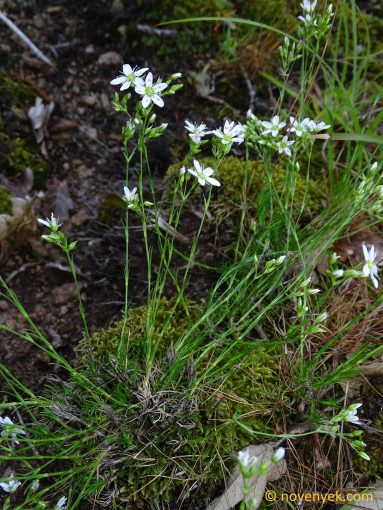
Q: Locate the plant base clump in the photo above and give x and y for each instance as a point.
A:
(150, 435)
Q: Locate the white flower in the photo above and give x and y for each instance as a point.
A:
(231, 133)
(351, 413)
(10, 429)
(35, 485)
(338, 273)
(322, 317)
(183, 170)
(52, 223)
(197, 131)
(10, 486)
(299, 127)
(281, 259)
(203, 174)
(284, 146)
(245, 459)
(308, 20)
(370, 268)
(374, 166)
(273, 127)
(129, 77)
(309, 6)
(150, 92)
(318, 126)
(278, 455)
(61, 504)
(130, 196)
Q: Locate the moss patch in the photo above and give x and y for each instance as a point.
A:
(241, 182)
(15, 92)
(168, 433)
(372, 469)
(111, 208)
(5, 201)
(17, 156)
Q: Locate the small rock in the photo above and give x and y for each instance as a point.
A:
(89, 99)
(64, 294)
(117, 7)
(38, 21)
(109, 58)
(5, 48)
(89, 49)
(105, 102)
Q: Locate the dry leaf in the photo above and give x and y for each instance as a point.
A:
(39, 115)
(350, 248)
(373, 503)
(17, 228)
(234, 492)
(63, 125)
(372, 370)
(58, 200)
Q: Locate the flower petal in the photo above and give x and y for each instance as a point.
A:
(117, 81)
(145, 101)
(140, 89)
(125, 85)
(159, 87)
(213, 181)
(127, 69)
(140, 72)
(149, 80)
(158, 100)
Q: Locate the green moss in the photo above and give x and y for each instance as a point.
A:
(241, 182)
(15, 92)
(188, 40)
(106, 341)
(372, 469)
(18, 157)
(5, 201)
(167, 437)
(111, 208)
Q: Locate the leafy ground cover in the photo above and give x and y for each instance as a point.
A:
(207, 283)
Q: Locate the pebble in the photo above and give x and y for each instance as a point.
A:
(38, 21)
(109, 58)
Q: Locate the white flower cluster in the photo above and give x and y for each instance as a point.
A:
(370, 268)
(11, 486)
(196, 131)
(61, 504)
(274, 126)
(203, 175)
(318, 24)
(230, 133)
(10, 430)
(308, 8)
(349, 414)
(52, 223)
(133, 77)
(247, 461)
